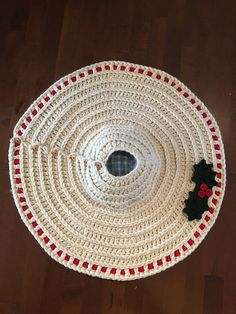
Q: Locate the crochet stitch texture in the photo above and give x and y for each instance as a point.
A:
(115, 227)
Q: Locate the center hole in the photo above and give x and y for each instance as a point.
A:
(121, 163)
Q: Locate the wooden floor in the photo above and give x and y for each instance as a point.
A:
(44, 40)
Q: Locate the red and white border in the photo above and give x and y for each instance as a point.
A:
(75, 262)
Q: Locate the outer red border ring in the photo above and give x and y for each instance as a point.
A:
(74, 262)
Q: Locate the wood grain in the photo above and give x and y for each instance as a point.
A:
(44, 40)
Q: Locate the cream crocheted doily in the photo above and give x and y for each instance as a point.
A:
(114, 227)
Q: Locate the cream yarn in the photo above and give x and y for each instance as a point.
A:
(111, 227)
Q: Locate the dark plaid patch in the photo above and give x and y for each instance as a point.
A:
(121, 163)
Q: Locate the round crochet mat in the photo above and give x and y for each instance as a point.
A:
(88, 209)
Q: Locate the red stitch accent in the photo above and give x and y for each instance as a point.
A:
(196, 234)
(140, 71)
(25, 207)
(192, 101)
(184, 248)
(149, 73)
(46, 239)
(141, 269)
(107, 67)
(219, 184)
(214, 137)
(159, 77)
(40, 232)
(122, 272)
(115, 67)
(94, 267)
(76, 261)
(103, 269)
(219, 166)
(34, 224)
(53, 92)
(85, 264)
(90, 71)
(17, 152)
(81, 75)
(19, 133)
(122, 67)
(209, 122)
(131, 69)
(16, 161)
(190, 242)
(198, 108)
(217, 193)
(59, 253)
(214, 201)
(168, 258)
(207, 218)
(113, 271)
(179, 89)
(28, 119)
(47, 99)
(40, 105)
(20, 190)
(211, 210)
(212, 130)
(150, 266)
(29, 215)
(202, 226)
(18, 180)
(219, 175)
(176, 253)
(218, 156)
(74, 79)
(166, 80)
(24, 126)
(186, 95)
(59, 87)
(53, 246)
(173, 84)
(34, 112)
(217, 147)
(22, 199)
(67, 257)
(204, 115)
(66, 83)
(17, 142)
(99, 69)
(131, 271)
(159, 262)
(17, 171)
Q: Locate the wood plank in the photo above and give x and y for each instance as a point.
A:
(43, 40)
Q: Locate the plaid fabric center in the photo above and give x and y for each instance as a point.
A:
(120, 163)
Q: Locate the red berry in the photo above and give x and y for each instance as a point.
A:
(208, 192)
(203, 187)
(201, 194)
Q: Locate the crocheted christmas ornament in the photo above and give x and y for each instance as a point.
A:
(83, 209)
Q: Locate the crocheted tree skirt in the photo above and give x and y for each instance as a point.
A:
(117, 226)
